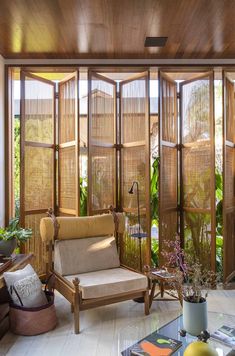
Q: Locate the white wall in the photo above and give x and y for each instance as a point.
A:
(2, 167)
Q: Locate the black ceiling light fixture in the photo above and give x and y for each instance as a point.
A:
(155, 41)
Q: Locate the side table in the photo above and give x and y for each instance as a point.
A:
(164, 278)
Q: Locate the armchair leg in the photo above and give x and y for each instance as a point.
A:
(76, 306)
(76, 319)
(146, 302)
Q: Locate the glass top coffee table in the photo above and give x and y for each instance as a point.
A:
(169, 324)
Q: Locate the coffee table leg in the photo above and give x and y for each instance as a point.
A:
(161, 285)
(152, 293)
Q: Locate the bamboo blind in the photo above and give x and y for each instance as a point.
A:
(102, 139)
(35, 244)
(67, 178)
(133, 169)
(229, 179)
(37, 159)
(135, 166)
(103, 177)
(168, 182)
(198, 167)
(67, 121)
(129, 246)
(39, 188)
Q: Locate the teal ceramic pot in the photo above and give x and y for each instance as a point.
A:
(7, 247)
(195, 317)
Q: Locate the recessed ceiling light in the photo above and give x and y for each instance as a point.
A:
(155, 41)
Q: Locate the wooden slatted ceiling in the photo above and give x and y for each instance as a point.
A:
(116, 29)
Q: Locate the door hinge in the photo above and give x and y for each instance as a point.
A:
(179, 146)
(178, 95)
(118, 146)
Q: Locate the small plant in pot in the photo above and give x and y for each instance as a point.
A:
(197, 283)
(12, 236)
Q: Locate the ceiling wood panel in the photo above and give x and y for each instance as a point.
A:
(116, 28)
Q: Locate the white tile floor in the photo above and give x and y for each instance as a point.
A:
(102, 328)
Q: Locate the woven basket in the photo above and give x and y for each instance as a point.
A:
(33, 321)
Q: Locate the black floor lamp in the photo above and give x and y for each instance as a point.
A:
(139, 234)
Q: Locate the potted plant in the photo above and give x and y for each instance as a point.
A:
(195, 288)
(11, 236)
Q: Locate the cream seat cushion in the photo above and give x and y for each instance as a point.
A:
(109, 282)
(85, 255)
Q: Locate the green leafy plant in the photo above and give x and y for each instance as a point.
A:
(15, 231)
(154, 201)
(154, 189)
(83, 197)
(154, 252)
(219, 220)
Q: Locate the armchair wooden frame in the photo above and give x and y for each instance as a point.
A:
(72, 292)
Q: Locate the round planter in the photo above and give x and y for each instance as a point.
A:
(7, 247)
(195, 317)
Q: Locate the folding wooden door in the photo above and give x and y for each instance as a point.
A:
(102, 156)
(68, 147)
(229, 176)
(197, 182)
(37, 125)
(168, 151)
(39, 171)
(135, 166)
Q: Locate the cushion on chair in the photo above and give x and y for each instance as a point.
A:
(28, 286)
(80, 227)
(109, 282)
(85, 255)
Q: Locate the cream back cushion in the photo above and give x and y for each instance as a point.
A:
(85, 255)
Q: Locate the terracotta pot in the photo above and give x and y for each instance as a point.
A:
(195, 317)
(7, 247)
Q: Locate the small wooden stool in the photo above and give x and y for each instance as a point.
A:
(164, 277)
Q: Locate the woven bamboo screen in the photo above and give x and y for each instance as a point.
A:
(229, 178)
(37, 159)
(102, 140)
(68, 163)
(168, 133)
(198, 169)
(135, 166)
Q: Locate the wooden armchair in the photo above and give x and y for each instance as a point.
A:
(83, 257)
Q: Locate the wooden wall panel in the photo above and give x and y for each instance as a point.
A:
(116, 29)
